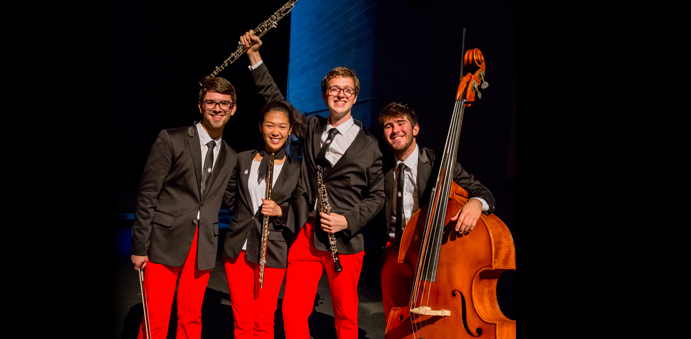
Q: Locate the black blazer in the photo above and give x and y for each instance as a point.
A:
(169, 200)
(355, 184)
(427, 172)
(248, 226)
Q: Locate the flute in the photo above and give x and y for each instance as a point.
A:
(265, 226)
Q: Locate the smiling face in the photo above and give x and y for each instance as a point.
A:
(400, 135)
(337, 98)
(275, 130)
(215, 118)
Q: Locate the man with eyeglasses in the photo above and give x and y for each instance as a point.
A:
(352, 174)
(188, 176)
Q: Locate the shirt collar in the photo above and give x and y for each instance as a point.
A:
(342, 128)
(204, 137)
(411, 160)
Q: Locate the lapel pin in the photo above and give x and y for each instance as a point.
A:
(246, 172)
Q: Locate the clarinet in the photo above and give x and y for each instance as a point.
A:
(264, 27)
(265, 226)
(325, 207)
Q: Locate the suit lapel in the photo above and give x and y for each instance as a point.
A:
(196, 151)
(424, 168)
(316, 142)
(218, 166)
(285, 172)
(245, 165)
(388, 184)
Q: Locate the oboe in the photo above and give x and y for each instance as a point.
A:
(265, 226)
(325, 207)
(264, 27)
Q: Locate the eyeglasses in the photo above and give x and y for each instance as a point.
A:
(348, 92)
(225, 104)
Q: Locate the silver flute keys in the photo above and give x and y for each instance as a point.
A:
(264, 27)
(325, 207)
(265, 227)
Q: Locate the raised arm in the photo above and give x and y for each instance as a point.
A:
(249, 39)
(266, 86)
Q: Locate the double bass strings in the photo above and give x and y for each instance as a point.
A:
(436, 214)
(434, 228)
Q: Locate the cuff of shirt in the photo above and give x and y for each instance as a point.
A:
(485, 205)
(253, 67)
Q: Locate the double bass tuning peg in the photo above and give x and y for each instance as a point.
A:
(476, 89)
(484, 84)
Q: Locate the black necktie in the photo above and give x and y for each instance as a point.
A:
(400, 176)
(321, 157)
(208, 165)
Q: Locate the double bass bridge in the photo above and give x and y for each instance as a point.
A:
(426, 310)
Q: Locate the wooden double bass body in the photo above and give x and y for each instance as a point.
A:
(452, 289)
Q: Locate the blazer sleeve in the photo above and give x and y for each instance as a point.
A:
(156, 170)
(371, 205)
(283, 220)
(267, 88)
(474, 187)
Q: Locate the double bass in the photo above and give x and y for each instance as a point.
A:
(453, 277)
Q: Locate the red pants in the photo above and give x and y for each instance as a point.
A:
(395, 277)
(253, 308)
(159, 287)
(305, 267)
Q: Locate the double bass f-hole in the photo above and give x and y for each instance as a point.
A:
(465, 315)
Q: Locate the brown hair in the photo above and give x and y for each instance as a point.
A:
(218, 85)
(340, 72)
(396, 109)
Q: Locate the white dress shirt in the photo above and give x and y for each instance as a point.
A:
(347, 132)
(257, 188)
(204, 139)
(410, 190)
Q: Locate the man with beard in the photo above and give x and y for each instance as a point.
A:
(419, 167)
(175, 229)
